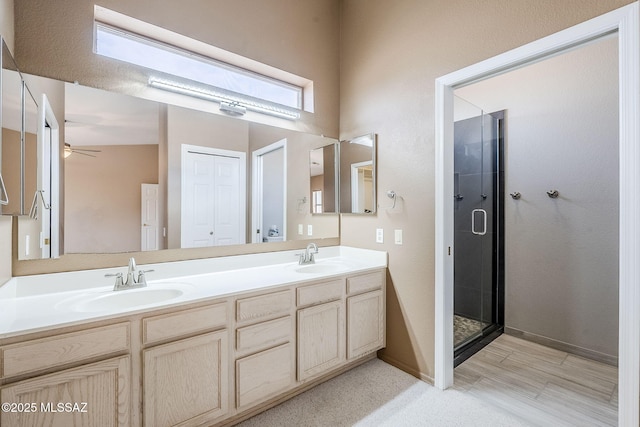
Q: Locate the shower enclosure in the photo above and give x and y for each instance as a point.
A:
(479, 228)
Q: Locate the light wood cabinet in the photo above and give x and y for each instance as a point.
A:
(96, 394)
(321, 338)
(365, 323)
(186, 381)
(200, 364)
(264, 375)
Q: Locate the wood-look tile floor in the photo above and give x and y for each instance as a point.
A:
(540, 385)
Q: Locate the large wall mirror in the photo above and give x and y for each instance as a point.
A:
(140, 175)
(29, 182)
(358, 175)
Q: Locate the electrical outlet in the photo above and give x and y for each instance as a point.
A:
(379, 235)
(300, 229)
(309, 230)
(397, 237)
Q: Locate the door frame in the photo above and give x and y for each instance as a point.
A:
(48, 177)
(257, 192)
(242, 185)
(624, 21)
(355, 187)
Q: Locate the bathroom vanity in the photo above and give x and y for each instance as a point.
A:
(207, 342)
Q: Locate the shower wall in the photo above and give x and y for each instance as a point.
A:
(561, 254)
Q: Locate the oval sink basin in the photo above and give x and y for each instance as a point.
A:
(320, 268)
(129, 298)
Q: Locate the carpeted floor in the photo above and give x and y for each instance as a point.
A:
(377, 394)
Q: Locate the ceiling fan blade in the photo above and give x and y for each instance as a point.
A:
(84, 154)
(86, 149)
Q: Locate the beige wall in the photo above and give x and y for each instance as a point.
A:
(390, 57)
(103, 198)
(6, 22)
(297, 36)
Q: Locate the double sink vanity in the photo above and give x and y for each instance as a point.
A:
(205, 342)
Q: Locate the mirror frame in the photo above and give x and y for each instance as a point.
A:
(374, 149)
(336, 180)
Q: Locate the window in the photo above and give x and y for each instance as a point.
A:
(316, 195)
(192, 73)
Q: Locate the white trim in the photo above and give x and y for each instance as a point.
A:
(46, 116)
(355, 187)
(256, 190)
(626, 22)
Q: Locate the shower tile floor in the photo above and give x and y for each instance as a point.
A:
(464, 329)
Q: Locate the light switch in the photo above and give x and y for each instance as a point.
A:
(309, 230)
(300, 229)
(397, 234)
(379, 235)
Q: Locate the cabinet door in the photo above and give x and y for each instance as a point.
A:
(365, 323)
(186, 380)
(91, 395)
(321, 343)
(264, 375)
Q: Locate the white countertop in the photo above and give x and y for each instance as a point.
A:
(35, 303)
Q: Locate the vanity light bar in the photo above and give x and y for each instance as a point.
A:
(221, 98)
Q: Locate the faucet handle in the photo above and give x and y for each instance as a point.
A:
(119, 282)
(301, 258)
(142, 279)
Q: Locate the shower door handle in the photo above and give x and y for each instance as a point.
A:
(484, 222)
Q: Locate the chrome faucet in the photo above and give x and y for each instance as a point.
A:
(131, 281)
(307, 256)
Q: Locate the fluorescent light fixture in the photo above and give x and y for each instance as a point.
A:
(232, 108)
(229, 104)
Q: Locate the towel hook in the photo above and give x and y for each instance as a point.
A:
(553, 194)
(515, 195)
(393, 196)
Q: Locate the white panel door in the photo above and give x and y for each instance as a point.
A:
(197, 201)
(150, 223)
(226, 201)
(213, 211)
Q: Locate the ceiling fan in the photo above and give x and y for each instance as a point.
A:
(68, 150)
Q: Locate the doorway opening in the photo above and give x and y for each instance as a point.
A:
(269, 193)
(626, 22)
(479, 228)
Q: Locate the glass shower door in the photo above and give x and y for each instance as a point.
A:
(476, 220)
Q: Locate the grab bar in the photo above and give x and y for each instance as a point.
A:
(3, 190)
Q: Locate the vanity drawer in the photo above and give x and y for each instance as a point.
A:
(366, 282)
(320, 292)
(264, 335)
(264, 306)
(188, 322)
(45, 353)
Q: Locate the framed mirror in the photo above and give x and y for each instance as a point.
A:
(323, 177)
(11, 138)
(124, 181)
(358, 175)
